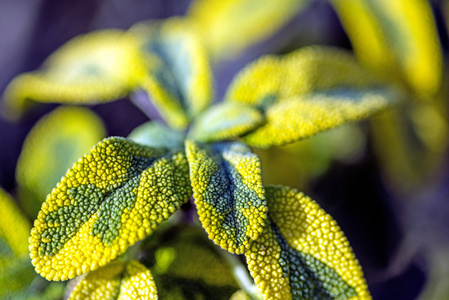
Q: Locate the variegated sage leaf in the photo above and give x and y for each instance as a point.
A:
(115, 195)
(228, 192)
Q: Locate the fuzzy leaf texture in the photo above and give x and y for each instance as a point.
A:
(178, 78)
(302, 253)
(227, 187)
(96, 67)
(225, 120)
(398, 39)
(228, 27)
(117, 281)
(51, 147)
(115, 195)
(186, 263)
(305, 92)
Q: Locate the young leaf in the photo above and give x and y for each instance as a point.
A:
(178, 79)
(306, 92)
(302, 253)
(157, 135)
(225, 120)
(50, 148)
(228, 27)
(228, 192)
(398, 39)
(117, 281)
(96, 67)
(115, 195)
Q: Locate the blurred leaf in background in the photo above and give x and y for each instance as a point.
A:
(399, 42)
(50, 149)
(228, 27)
(96, 67)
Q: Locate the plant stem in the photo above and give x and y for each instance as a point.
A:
(141, 100)
(241, 274)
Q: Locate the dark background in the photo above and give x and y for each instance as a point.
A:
(393, 241)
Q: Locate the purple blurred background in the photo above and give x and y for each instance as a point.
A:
(377, 225)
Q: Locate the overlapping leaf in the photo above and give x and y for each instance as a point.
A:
(112, 197)
(228, 191)
(306, 92)
(396, 38)
(187, 264)
(118, 281)
(228, 27)
(50, 148)
(155, 134)
(302, 253)
(225, 120)
(178, 76)
(95, 67)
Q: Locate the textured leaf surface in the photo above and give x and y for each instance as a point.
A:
(117, 281)
(396, 38)
(155, 134)
(50, 148)
(186, 264)
(228, 27)
(112, 197)
(95, 67)
(306, 92)
(225, 120)
(296, 119)
(302, 253)
(228, 192)
(178, 76)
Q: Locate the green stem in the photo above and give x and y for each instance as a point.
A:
(132, 252)
(241, 274)
(142, 101)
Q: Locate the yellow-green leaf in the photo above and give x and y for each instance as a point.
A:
(117, 281)
(14, 227)
(228, 27)
(50, 148)
(178, 77)
(225, 120)
(228, 192)
(302, 253)
(115, 195)
(155, 134)
(186, 263)
(16, 271)
(306, 92)
(16, 275)
(398, 39)
(296, 119)
(96, 67)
